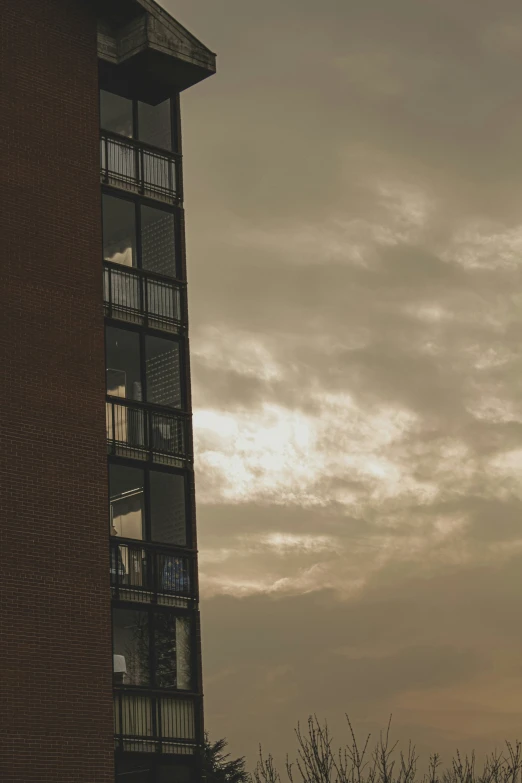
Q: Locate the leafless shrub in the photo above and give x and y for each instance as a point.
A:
(318, 762)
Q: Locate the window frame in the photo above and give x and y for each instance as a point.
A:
(154, 762)
(112, 323)
(151, 611)
(138, 202)
(147, 520)
(173, 114)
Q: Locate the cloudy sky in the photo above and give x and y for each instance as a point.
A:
(354, 216)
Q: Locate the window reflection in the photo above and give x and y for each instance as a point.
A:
(172, 650)
(126, 489)
(155, 125)
(116, 113)
(123, 363)
(167, 508)
(162, 362)
(130, 638)
(157, 241)
(119, 231)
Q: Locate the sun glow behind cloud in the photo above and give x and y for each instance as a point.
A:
(281, 455)
(381, 463)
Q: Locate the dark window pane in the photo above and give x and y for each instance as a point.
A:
(119, 231)
(126, 501)
(167, 508)
(115, 113)
(173, 651)
(123, 363)
(174, 774)
(183, 654)
(130, 635)
(131, 771)
(158, 252)
(154, 124)
(162, 363)
(165, 648)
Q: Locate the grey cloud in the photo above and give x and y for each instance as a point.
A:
(354, 208)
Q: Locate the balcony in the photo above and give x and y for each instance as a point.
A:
(148, 574)
(137, 431)
(155, 723)
(140, 168)
(139, 297)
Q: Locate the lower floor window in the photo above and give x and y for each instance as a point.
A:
(150, 771)
(152, 648)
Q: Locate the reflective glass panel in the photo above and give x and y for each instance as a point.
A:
(172, 642)
(116, 113)
(154, 123)
(174, 774)
(158, 253)
(130, 640)
(119, 231)
(126, 490)
(130, 771)
(123, 363)
(167, 508)
(162, 366)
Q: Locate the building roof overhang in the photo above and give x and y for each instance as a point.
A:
(142, 49)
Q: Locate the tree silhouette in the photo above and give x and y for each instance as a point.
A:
(218, 767)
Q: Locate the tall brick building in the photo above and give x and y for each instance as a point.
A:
(100, 664)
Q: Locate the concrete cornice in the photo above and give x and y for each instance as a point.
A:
(130, 29)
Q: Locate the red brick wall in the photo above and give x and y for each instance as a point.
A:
(55, 647)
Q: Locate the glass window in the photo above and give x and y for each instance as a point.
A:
(162, 366)
(183, 654)
(119, 231)
(167, 508)
(116, 113)
(174, 774)
(172, 643)
(126, 491)
(158, 253)
(131, 771)
(155, 125)
(123, 363)
(130, 641)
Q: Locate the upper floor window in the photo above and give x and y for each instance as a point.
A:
(136, 119)
(119, 231)
(155, 124)
(116, 114)
(127, 502)
(139, 235)
(147, 505)
(143, 367)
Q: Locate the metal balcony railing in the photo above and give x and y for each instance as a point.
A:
(140, 168)
(143, 572)
(140, 297)
(137, 431)
(154, 723)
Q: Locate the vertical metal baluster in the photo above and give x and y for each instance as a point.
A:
(110, 292)
(106, 172)
(119, 697)
(146, 300)
(141, 171)
(113, 419)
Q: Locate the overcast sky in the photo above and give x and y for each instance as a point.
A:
(354, 229)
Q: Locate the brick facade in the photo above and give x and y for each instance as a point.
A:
(55, 633)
